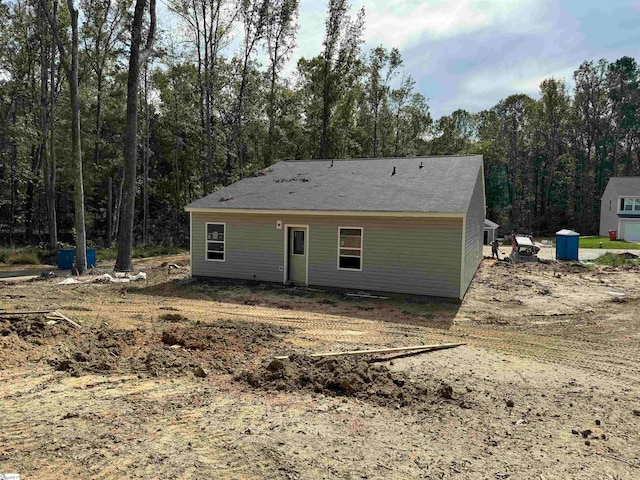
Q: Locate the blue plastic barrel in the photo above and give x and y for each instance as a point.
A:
(67, 257)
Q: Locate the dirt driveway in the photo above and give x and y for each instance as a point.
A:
(156, 384)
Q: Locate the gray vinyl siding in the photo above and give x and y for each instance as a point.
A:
(416, 256)
(253, 248)
(474, 234)
(419, 256)
(609, 210)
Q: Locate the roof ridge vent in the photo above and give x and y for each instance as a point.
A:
(394, 171)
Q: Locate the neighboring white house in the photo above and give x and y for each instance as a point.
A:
(490, 229)
(620, 208)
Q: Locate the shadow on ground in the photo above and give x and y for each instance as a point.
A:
(404, 309)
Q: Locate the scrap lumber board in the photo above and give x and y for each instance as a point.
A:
(425, 348)
(23, 312)
(53, 313)
(77, 325)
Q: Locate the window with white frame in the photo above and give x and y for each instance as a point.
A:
(630, 205)
(215, 241)
(350, 248)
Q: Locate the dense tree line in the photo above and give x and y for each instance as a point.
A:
(548, 160)
(213, 105)
(94, 99)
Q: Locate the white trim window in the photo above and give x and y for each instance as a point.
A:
(629, 205)
(350, 248)
(215, 246)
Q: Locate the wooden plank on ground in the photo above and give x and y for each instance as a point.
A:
(23, 312)
(77, 325)
(425, 348)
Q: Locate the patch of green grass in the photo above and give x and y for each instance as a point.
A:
(23, 258)
(614, 260)
(111, 253)
(23, 255)
(594, 242)
(156, 251)
(103, 254)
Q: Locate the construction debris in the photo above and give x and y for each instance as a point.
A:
(418, 348)
(365, 295)
(23, 312)
(67, 319)
(54, 315)
(106, 278)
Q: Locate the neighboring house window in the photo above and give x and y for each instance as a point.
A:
(215, 241)
(349, 248)
(630, 205)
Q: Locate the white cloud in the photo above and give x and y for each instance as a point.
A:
(398, 23)
(485, 88)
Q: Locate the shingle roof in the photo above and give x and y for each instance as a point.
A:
(625, 186)
(444, 185)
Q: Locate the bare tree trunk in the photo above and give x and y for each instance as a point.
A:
(14, 179)
(145, 159)
(118, 207)
(80, 263)
(50, 169)
(76, 150)
(326, 111)
(109, 211)
(125, 230)
(47, 98)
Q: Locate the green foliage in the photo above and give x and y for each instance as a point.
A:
(140, 251)
(215, 118)
(614, 260)
(22, 256)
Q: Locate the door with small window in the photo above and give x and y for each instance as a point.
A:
(297, 255)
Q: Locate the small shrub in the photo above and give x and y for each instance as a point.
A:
(611, 259)
(106, 254)
(23, 258)
(155, 251)
(139, 252)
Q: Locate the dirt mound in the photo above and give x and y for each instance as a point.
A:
(173, 317)
(32, 328)
(177, 350)
(23, 337)
(353, 377)
(227, 336)
(163, 362)
(101, 351)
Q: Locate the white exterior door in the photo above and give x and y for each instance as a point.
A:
(632, 231)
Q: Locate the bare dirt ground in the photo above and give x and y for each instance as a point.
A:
(172, 378)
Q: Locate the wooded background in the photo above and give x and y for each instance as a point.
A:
(215, 104)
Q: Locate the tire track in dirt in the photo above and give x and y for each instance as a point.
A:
(589, 356)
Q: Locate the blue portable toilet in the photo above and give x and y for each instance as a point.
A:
(567, 245)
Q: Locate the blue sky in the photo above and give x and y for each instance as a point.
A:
(472, 53)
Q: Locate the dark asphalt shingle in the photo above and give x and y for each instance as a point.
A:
(625, 186)
(444, 184)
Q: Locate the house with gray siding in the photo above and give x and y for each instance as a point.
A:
(404, 225)
(620, 208)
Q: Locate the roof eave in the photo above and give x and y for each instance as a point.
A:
(326, 212)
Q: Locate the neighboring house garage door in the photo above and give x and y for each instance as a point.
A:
(632, 231)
